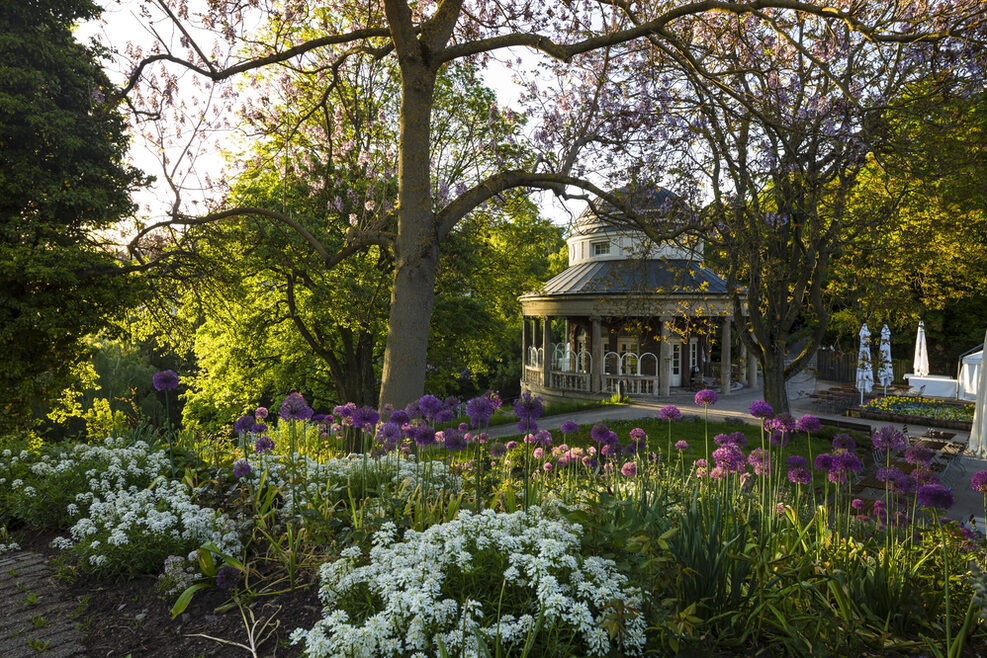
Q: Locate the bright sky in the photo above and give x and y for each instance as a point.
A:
(120, 24)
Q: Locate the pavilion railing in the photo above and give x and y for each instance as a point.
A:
(632, 384)
(570, 381)
(534, 375)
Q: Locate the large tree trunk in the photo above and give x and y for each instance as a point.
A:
(775, 393)
(417, 246)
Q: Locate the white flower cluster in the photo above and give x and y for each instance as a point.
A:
(135, 519)
(12, 546)
(412, 580)
(315, 478)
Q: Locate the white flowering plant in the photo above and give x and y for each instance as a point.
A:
(490, 582)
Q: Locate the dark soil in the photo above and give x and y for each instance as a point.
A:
(122, 618)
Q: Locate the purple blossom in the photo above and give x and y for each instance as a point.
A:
(345, 413)
(781, 423)
(823, 462)
(669, 412)
(637, 435)
(858, 504)
(528, 408)
(922, 475)
(498, 450)
(538, 453)
(454, 441)
(547, 467)
(241, 469)
(429, 406)
(979, 482)
(444, 416)
(365, 418)
(294, 408)
(400, 417)
(799, 475)
(543, 437)
(681, 446)
(319, 418)
(423, 436)
(629, 469)
(935, 495)
(847, 462)
(844, 442)
(808, 423)
(480, 410)
(779, 438)
(705, 397)
(797, 461)
(166, 380)
(600, 433)
(258, 428)
(886, 473)
(264, 445)
(389, 434)
(260, 413)
(243, 424)
(918, 455)
(739, 439)
(887, 439)
(730, 458)
(227, 578)
(759, 460)
(880, 509)
(511, 445)
(569, 427)
(761, 409)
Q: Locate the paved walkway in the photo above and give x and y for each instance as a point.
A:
(736, 406)
(37, 614)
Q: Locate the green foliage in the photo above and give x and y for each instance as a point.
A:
(63, 182)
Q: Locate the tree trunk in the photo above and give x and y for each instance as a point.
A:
(775, 393)
(417, 245)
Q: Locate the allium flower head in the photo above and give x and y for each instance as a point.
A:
(888, 438)
(886, 473)
(799, 475)
(345, 413)
(429, 406)
(935, 496)
(260, 413)
(569, 427)
(808, 423)
(264, 445)
(528, 407)
(227, 578)
(759, 460)
(761, 409)
(400, 417)
(858, 504)
(923, 475)
(454, 441)
(847, 462)
(979, 482)
(669, 412)
(538, 453)
(729, 458)
(547, 467)
(480, 410)
(705, 397)
(365, 418)
(779, 438)
(629, 469)
(796, 461)
(389, 434)
(739, 439)
(243, 424)
(781, 423)
(543, 437)
(844, 442)
(823, 463)
(918, 455)
(423, 436)
(637, 435)
(681, 446)
(498, 450)
(294, 408)
(258, 428)
(241, 469)
(166, 380)
(511, 445)
(600, 433)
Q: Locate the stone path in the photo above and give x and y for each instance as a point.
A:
(36, 619)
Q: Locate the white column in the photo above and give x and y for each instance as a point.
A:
(725, 357)
(596, 349)
(546, 341)
(665, 360)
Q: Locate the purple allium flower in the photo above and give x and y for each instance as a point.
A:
(166, 380)
(429, 406)
(243, 424)
(637, 435)
(722, 439)
(718, 473)
(365, 418)
(706, 397)
(454, 441)
(444, 416)
(389, 434)
(423, 436)
(808, 423)
(345, 413)
(547, 467)
(669, 412)
(844, 442)
(264, 445)
(400, 417)
(782, 422)
(528, 407)
(497, 450)
(729, 458)
(797, 461)
(759, 460)
(227, 577)
(979, 482)
(543, 437)
(629, 469)
(918, 455)
(847, 462)
(569, 427)
(479, 409)
(538, 453)
(880, 509)
(886, 473)
(902, 484)
(258, 428)
(260, 413)
(701, 463)
(319, 418)
(600, 433)
(858, 504)
(888, 438)
(761, 409)
(935, 495)
(739, 439)
(923, 475)
(799, 475)
(511, 445)
(241, 469)
(681, 446)
(526, 426)
(823, 463)
(294, 408)
(611, 449)
(588, 461)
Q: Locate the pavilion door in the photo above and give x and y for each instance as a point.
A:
(676, 378)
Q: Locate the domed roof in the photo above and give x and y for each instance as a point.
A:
(643, 199)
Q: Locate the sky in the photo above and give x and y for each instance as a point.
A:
(120, 24)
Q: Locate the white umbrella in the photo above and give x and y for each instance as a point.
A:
(920, 366)
(978, 433)
(865, 371)
(885, 372)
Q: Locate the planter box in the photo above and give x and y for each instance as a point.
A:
(908, 419)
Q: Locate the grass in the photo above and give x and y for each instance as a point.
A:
(505, 415)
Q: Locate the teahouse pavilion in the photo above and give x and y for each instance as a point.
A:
(631, 316)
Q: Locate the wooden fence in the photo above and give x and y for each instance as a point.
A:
(840, 367)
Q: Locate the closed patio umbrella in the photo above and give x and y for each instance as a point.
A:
(885, 373)
(978, 433)
(865, 371)
(920, 365)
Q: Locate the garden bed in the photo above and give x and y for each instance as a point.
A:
(913, 410)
